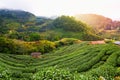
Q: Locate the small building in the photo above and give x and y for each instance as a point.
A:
(97, 42)
(36, 54)
(117, 42)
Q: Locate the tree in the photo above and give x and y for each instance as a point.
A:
(69, 24)
(6, 45)
(34, 36)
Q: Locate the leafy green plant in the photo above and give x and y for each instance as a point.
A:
(108, 72)
(53, 74)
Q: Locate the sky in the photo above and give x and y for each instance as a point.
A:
(48, 8)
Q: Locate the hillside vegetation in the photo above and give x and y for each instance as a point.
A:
(22, 25)
(81, 61)
(103, 26)
(16, 15)
(66, 52)
(12, 46)
(66, 26)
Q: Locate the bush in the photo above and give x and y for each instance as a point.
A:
(5, 74)
(22, 47)
(109, 40)
(118, 71)
(6, 45)
(108, 72)
(112, 60)
(118, 61)
(53, 73)
(44, 46)
(67, 41)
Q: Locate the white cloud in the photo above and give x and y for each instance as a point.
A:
(108, 8)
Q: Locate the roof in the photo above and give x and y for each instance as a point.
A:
(35, 53)
(117, 42)
(98, 42)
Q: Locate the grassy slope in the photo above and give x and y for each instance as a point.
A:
(78, 57)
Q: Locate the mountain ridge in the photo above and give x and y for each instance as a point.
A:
(98, 21)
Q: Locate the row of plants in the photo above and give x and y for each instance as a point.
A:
(53, 73)
(82, 62)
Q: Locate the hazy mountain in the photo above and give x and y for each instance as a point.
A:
(103, 26)
(16, 15)
(98, 22)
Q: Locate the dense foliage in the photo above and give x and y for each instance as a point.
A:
(13, 46)
(66, 26)
(22, 47)
(16, 15)
(69, 24)
(6, 45)
(67, 41)
(77, 62)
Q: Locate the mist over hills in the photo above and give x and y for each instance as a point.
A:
(103, 26)
(16, 15)
(99, 22)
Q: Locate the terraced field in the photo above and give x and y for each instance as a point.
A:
(83, 59)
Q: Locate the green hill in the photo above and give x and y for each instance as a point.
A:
(11, 21)
(79, 61)
(26, 26)
(16, 15)
(66, 26)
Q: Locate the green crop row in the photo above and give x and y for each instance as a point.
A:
(76, 62)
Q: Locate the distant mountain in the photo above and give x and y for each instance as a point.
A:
(99, 22)
(41, 20)
(16, 15)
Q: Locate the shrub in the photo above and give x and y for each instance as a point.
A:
(6, 45)
(22, 47)
(108, 72)
(118, 61)
(53, 73)
(112, 60)
(109, 40)
(5, 74)
(67, 41)
(44, 46)
(118, 71)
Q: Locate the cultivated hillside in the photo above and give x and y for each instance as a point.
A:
(81, 61)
